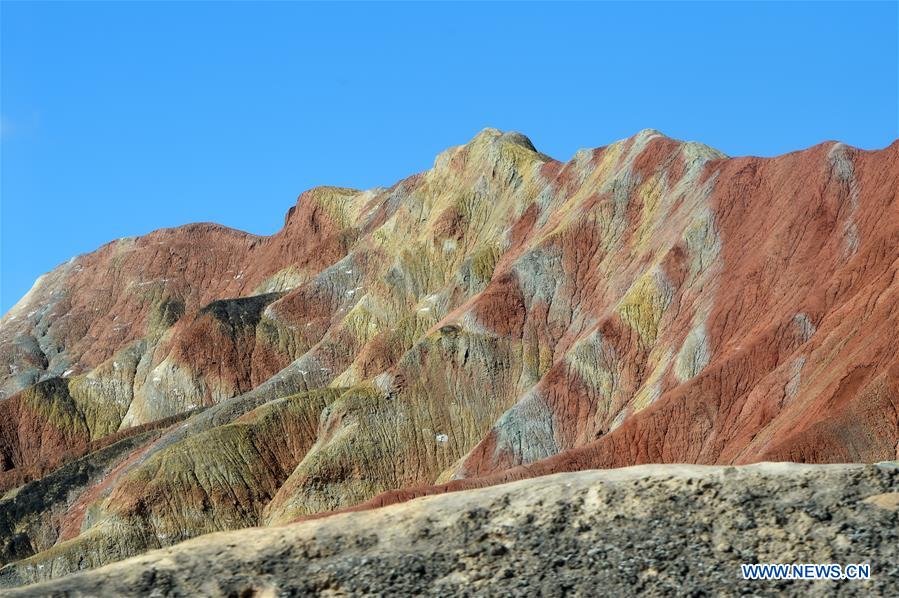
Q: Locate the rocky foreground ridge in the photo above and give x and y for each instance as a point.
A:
(500, 316)
(649, 530)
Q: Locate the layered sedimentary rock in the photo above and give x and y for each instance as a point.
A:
(499, 316)
(656, 530)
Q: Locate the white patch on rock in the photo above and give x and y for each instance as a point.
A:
(792, 387)
(540, 274)
(383, 381)
(804, 326)
(843, 170)
(703, 242)
(619, 419)
(526, 430)
(694, 354)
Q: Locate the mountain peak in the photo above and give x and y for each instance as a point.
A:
(492, 135)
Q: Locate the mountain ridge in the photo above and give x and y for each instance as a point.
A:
(212, 225)
(499, 316)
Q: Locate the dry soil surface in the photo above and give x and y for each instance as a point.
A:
(651, 530)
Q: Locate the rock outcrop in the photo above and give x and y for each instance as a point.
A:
(500, 316)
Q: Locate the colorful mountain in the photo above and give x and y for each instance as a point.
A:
(501, 316)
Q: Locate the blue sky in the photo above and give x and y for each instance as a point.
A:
(119, 118)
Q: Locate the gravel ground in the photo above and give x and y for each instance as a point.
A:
(649, 530)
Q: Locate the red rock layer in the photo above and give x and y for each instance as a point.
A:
(500, 316)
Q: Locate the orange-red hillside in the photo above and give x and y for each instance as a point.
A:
(500, 316)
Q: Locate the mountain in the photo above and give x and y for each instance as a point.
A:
(501, 316)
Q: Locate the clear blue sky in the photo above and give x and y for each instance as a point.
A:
(119, 118)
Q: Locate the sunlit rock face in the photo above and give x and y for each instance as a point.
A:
(499, 316)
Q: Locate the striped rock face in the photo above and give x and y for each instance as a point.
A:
(500, 316)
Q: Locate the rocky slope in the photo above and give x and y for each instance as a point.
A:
(648, 530)
(500, 316)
